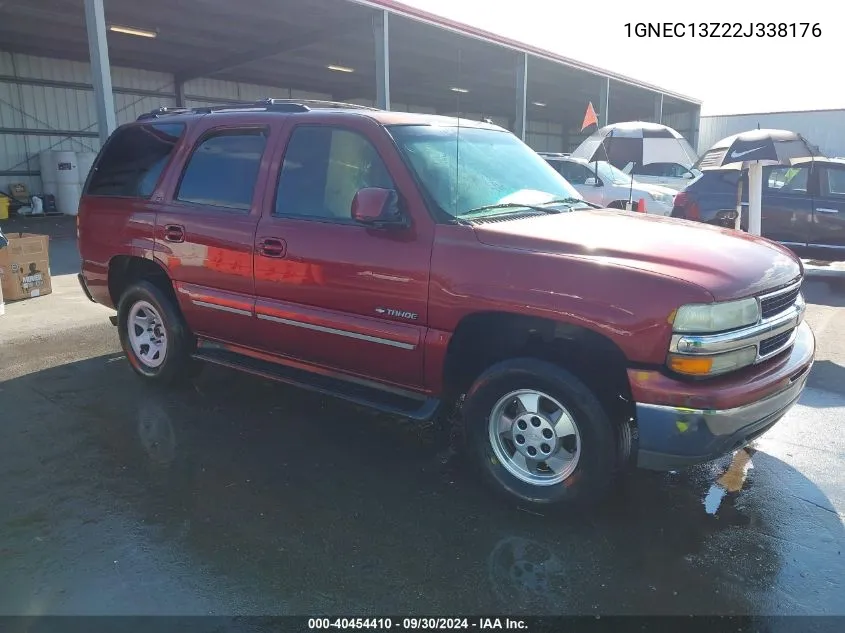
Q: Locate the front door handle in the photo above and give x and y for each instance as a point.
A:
(826, 210)
(272, 247)
(174, 233)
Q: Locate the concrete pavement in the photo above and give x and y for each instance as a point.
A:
(241, 496)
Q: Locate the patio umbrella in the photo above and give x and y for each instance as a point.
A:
(637, 142)
(753, 150)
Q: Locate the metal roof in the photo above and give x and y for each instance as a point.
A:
(468, 30)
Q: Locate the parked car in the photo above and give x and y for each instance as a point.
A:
(334, 247)
(672, 175)
(603, 184)
(803, 206)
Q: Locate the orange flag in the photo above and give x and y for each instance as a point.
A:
(590, 117)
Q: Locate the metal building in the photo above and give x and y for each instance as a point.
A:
(823, 128)
(372, 52)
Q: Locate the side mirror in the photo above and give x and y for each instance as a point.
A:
(377, 208)
(593, 182)
(689, 175)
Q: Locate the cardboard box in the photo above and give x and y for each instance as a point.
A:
(25, 266)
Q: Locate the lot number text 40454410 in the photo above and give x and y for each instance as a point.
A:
(419, 623)
(723, 29)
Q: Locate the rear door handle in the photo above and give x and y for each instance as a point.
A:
(826, 210)
(272, 247)
(174, 233)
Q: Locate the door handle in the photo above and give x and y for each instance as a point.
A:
(174, 233)
(826, 210)
(272, 247)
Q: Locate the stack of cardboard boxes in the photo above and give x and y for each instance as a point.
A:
(24, 267)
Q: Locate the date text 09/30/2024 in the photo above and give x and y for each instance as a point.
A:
(723, 29)
(417, 624)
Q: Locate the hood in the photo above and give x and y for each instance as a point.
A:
(726, 263)
(643, 186)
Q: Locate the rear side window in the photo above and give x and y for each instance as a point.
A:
(133, 159)
(223, 170)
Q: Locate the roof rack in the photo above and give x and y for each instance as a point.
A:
(268, 105)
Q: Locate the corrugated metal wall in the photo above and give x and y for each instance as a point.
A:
(823, 128)
(48, 104)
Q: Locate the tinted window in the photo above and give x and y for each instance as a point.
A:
(576, 174)
(663, 170)
(133, 159)
(835, 181)
(223, 170)
(323, 169)
(653, 169)
(786, 179)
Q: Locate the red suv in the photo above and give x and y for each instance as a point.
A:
(440, 269)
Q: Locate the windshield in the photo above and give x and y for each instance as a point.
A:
(487, 168)
(609, 173)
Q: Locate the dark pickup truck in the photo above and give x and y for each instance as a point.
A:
(441, 271)
(803, 205)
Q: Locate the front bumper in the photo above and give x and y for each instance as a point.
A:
(672, 437)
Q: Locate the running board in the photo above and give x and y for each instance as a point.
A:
(404, 404)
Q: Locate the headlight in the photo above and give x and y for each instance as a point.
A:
(712, 365)
(716, 317)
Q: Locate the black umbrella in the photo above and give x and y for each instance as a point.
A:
(637, 142)
(764, 147)
(751, 151)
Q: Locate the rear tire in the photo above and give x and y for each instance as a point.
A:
(154, 336)
(539, 435)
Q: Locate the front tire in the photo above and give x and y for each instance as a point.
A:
(154, 336)
(539, 435)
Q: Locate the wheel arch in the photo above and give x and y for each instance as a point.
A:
(124, 270)
(482, 339)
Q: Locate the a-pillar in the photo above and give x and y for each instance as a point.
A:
(95, 24)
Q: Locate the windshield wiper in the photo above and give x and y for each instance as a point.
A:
(542, 207)
(504, 205)
(571, 202)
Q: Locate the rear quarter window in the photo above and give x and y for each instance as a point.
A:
(132, 161)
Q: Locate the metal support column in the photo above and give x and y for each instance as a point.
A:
(520, 116)
(381, 34)
(179, 89)
(658, 108)
(695, 123)
(95, 24)
(604, 103)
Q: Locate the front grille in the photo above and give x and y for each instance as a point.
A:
(774, 305)
(770, 345)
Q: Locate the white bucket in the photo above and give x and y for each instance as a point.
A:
(67, 168)
(67, 198)
(47, 165)
(85, 161)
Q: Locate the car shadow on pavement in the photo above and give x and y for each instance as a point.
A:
(279, 501)
(825, 291)
(826, 375)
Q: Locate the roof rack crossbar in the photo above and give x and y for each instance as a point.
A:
(268, 105)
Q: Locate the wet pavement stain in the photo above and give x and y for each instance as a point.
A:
(239, 496)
